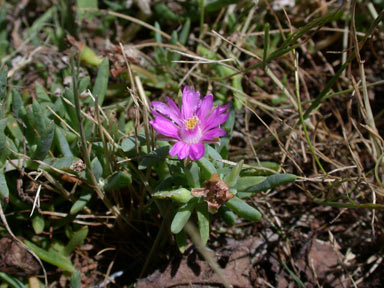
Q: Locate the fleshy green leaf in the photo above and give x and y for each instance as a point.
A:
(51, 256)
(101, 83)
(203, 221)
(213, 154)
(206, 168)
(272, 182)
(215, 5)
(237, 85)
(154, 157)
(77, 239)
(118, 180)
(184, 34)
(75, 280)
(3, 88)
(97, 168)
(192, 175)
(3, 142)
(231, 179)
(228, 216)
(82, 5)
(38, 223)
(62, 143)
(45, 129)
(182, 216)
(81, 202)
(4, 192)
(41, 94)
(241, 208)
(63, 163)
(14, 127)
(181, 195)
(181, 241)
(248, 181)
(11, 281)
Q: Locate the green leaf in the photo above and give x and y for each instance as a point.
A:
(154, 157)
(181, 241)
(38, 223)
(14, 128)
(41, 94)
(266, 42)
(272, 182)
(181, 195)
(203, 221)
(82, 5)
(269, 165)
(248, 181)
(231, 179)
(182, 216)
(206, 168)
(51, 256)
(39, 23)
(75, 280)
(184, 34)
(165, 13)
(97, 168)
(4, 192)
(129, 144)
(71, 112)
(17, 102)
(158, 37)
(228, 216)
(63, 163)
(84, 83)
(62, 143)
(242, 209)
(117, 180)
(81, 202)
(77, 239)
(101, 82)
(11, 281)
(237, 85)
(213, 154)
(215, 5)
(45, 128)
(3, 142)
(44, 143)
(192, 175)
(3, 89)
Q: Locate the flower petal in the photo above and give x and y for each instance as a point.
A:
(214, 133)
(196, 151)
(191, 101)
(184, 151)
(223, 108)
(167, 110)
(176, 148)
(173, 105)
(190, 136)
(205, 107)
(165, 127)
(215, 119)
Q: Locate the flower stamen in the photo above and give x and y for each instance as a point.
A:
(191, 123)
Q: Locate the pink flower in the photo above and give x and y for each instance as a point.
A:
(191, 127)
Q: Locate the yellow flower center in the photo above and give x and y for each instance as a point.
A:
(191, 123)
